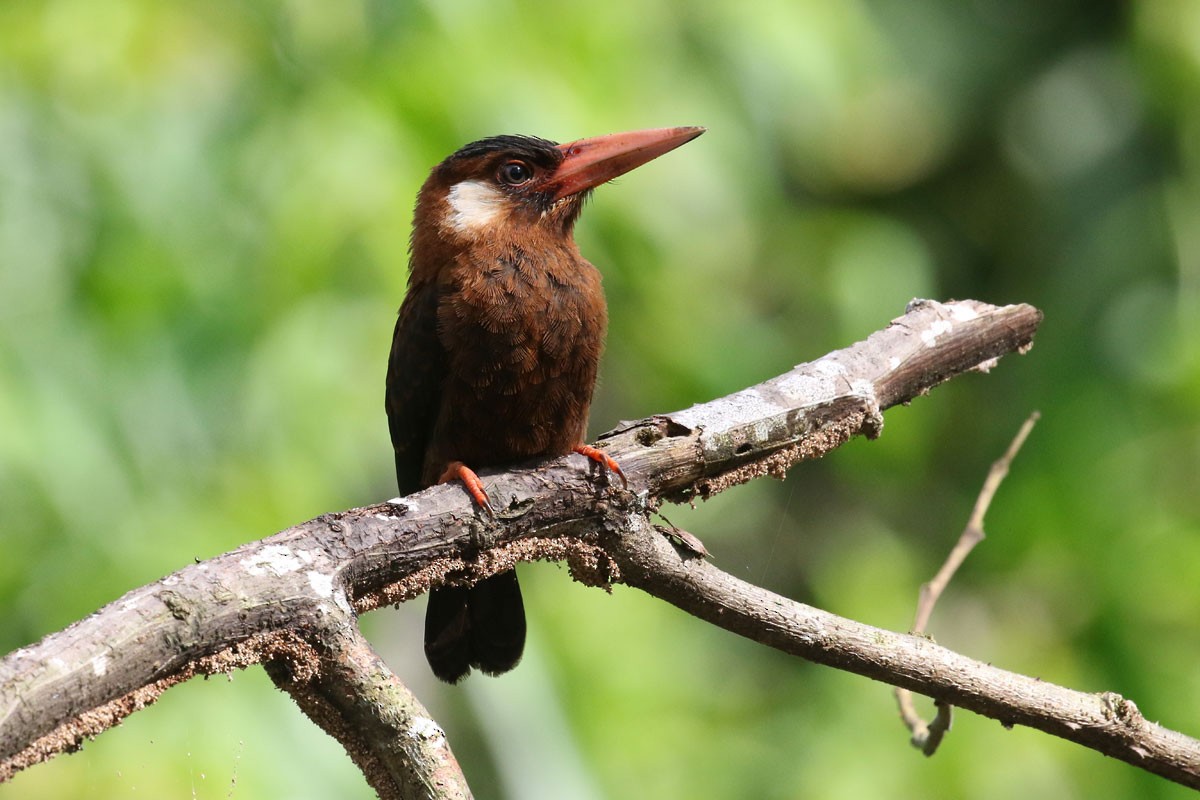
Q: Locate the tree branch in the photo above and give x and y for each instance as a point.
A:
(288, 599)
(347, 689)
(1105, 722)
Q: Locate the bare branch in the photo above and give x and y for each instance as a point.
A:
(1105, 722)
(275, 600)
(349, 691)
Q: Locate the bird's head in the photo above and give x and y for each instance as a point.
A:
(513, 187)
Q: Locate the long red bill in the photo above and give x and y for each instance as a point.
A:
(587, 163)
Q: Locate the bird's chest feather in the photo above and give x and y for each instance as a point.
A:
(523, 336)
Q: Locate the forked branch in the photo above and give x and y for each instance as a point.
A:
(290, 599)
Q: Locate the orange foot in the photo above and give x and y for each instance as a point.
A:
(458, 471)
(602, 458)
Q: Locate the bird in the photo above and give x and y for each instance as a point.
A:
(497, 345)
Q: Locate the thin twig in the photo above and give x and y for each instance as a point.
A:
(927, 736)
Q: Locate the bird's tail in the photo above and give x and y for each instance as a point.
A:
(480, 626)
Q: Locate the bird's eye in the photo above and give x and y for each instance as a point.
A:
(515, 173)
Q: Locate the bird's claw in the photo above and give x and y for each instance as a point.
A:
(604, 460)
(458, 471)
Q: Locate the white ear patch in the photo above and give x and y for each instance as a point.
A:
(474, 205)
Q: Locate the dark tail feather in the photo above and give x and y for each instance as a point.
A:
(497, 623)
(448, 633)
(482, 626)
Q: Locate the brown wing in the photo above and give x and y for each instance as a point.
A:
(483, 625)
(415, 376)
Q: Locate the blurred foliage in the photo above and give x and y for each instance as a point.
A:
(204, 212)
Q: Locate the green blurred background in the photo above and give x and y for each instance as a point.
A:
(204, 212)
